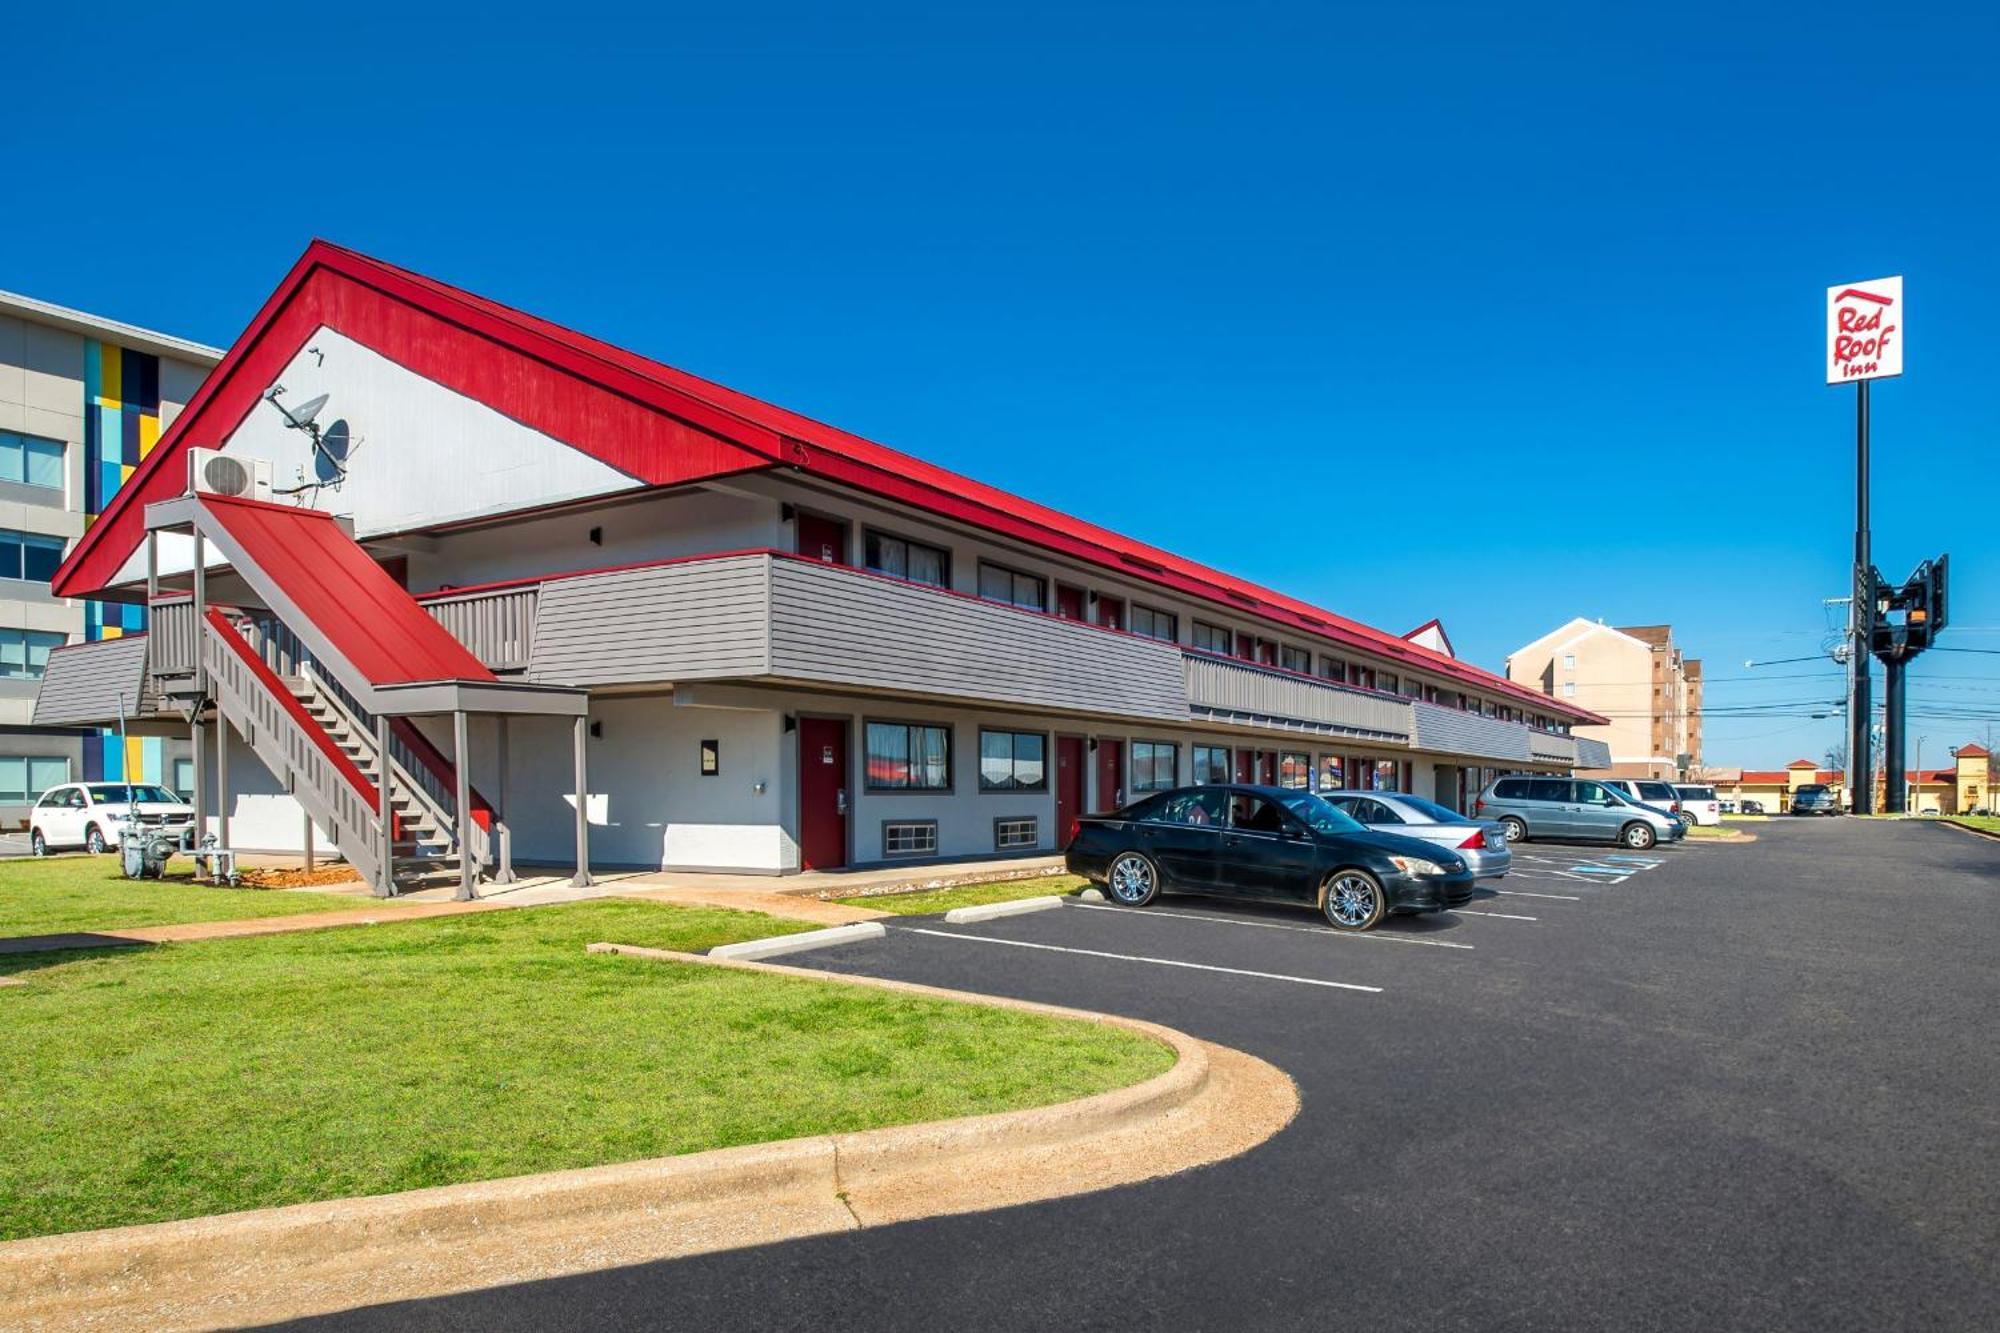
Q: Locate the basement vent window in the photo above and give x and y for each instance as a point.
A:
(1014, 834)
(909, 837)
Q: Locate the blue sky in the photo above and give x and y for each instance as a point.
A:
(1503, 314)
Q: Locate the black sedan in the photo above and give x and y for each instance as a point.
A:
(1268, 843)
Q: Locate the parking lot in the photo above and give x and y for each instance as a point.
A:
(1711, 1085)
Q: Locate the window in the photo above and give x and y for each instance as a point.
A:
(1332, 772)
(184, 778)
(997, 583)
(1155, 624)
(1013, 834)
(1295, 770)
(1211, 763)
(1254, 814)
(1412, 689)
(1552, 789)
(1201, 809)
(23, 778)
(1569, 688)
(906, 756)
(26, 555)
(904, 559)
(25, 652)
(1155, 765)
(1387, 775)
(1012, 761)
(1295, 659)
(31, 460)
(1211, 638)
(909, 837)
(1333, 669)
(1569, 661)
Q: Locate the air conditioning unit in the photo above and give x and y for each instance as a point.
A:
(212, 472)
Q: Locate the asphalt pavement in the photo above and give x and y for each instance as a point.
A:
(1706, 1087)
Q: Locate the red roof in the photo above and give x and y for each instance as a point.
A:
(659, 425)
(366, 614)
(1973, 751)
(1802, 763)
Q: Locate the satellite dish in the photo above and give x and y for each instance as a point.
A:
(330, 458)
(302, 415)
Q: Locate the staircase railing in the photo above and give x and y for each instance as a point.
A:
(416, 766)
(296, 749)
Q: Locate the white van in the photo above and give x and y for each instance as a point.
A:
(1701, 803)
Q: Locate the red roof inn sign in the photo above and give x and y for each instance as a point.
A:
(1864, 330)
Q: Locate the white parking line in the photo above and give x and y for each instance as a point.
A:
(1521, 893)
(1321, 931)
(1497, 916)
(1138, 958)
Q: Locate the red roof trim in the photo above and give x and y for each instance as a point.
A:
(447, 335)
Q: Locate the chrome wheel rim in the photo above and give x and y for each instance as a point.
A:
(1515, 831)
(1350, 900)
(1635, 837)
(1131, 879)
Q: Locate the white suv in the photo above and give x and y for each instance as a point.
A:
(91, 815)
(1700, 803)
(1659, 795)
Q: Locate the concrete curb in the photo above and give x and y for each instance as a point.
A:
(960, 916)
(774, 946)
(1988, 834)
(1090, 895)
(316, 1258)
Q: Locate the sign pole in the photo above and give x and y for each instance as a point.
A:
(1861, 714)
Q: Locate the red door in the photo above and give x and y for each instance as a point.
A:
(822, 538)
(1069, 784)
(1246, 647)
(1111, 612)
(1069, 602)
(1110, 774)
(1267, 768)
(822, 793)
(1246, 765)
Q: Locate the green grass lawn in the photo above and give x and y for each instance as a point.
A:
(966, 895)
(55, 895)
(1991, 823)
(1713, 831)
(187, 1079)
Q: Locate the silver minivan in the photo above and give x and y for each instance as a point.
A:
(1577, 808)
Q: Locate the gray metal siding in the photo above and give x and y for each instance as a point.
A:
(85, 681)
(1449, 731)
(702, 620)
(1552, 749)
(1592, 754)
(1241, 692)
(837, 625)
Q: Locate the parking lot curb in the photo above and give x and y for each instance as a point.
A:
(1987, 834)
(278, 1263)
(962, 916)
(774, 946)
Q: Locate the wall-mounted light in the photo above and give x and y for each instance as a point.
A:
(597, 536)
(786, 513)
(791, 723)
(597, 730)
(1093, 745)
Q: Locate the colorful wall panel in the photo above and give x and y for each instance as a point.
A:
(121, 424)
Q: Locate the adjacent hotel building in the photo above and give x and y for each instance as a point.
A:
(83, 401)
(502, 564)
(1647, 691)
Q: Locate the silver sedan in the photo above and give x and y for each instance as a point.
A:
(1482, 842)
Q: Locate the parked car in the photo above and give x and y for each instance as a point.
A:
(1266, 843)
(91, 815)
(1815, 798)
(1699, 805)
(1483, 843)
(1581, 808)
(1660, 795)
(1750, 807)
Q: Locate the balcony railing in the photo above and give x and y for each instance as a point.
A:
(173, 638)
(1223, 689)
(498, 624)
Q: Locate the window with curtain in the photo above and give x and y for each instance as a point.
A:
(1155, 624)
(1332, 772)
(1211, 638)
(1295, 659)
(1295, 770)
(1155, 765)
(906, 559)
(907, 756)
(1013, 761)
(997, 583)
(1211, 763)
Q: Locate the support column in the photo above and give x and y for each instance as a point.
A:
(385, 820)
(221, 779)
(200, 614)
(461, 760)
(198, 739)
(310, 839)
(581, 879)
(503, 833)
(1895, 790)
(152, 568)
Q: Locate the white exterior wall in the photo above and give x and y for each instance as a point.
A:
(263, 817)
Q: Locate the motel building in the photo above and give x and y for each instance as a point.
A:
(416, 563)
